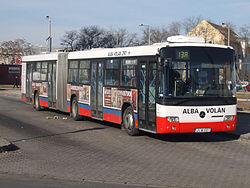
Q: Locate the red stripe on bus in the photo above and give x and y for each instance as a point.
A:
(112, 118)
(23, 98)
(44, 103)
(163, 126)
(136, 123)
(84, 112)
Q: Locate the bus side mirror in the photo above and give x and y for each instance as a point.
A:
(163, 61)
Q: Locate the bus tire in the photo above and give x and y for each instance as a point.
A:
(75, 110)
(37, 102)
(129, 122)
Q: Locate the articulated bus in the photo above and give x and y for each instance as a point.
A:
(181, 86)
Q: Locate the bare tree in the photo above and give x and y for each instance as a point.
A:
(69, 40)
(159, 35)
(244, 32)
(190, 22)
(15, 49)
(94, 37)
(123, 38)
(174, 28)
(107, 40)
(156, 35)
(88, 37)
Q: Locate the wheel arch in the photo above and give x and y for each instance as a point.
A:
(124, 107)
(71, 99)
(36, 92)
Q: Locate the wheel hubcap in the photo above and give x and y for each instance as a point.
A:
(37, 101)
(129, 121)
(74, 109)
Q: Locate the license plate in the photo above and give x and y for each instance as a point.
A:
(202, 130)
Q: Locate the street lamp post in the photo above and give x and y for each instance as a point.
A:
(149, 33)
(228, 32)
(49, 39)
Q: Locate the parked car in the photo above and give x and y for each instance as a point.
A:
(238, 87)
(248, 87)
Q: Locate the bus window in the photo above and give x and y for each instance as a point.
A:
(73, 72)
(84, 72)
(36, 71)
(44, 71)
(112, 72)
(128, 73)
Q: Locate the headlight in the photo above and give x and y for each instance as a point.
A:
(228, 117)
(173, 119)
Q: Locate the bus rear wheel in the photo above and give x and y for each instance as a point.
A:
(37, 102)
(129, 122)
(75, 110)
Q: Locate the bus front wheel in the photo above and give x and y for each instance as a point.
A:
(75, 110)
(129, 122)
(37, 102)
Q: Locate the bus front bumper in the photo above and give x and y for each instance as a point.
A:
(163, 126)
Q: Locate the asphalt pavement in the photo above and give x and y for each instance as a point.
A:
(242, 129)
(55, 150)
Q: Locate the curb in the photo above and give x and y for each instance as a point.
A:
(243, 112)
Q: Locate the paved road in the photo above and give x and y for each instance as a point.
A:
(91, 151)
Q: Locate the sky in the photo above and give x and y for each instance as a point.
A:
(26, 19)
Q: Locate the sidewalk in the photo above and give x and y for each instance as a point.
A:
(11, 92)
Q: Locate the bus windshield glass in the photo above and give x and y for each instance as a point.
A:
(197, 71)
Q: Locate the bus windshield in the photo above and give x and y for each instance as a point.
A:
(197, 71)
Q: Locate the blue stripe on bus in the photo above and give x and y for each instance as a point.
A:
(43, 98)
(135, 115)
(85, 106)
(111, 111)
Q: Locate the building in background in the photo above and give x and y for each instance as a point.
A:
(8, 74)
(35, 50)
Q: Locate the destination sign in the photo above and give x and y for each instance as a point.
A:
(182, 55)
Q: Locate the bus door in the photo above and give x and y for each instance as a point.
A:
(96, 95)
(146, 95)
(52, 84)
(29, 82)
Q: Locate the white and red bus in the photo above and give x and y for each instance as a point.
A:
(181, 86)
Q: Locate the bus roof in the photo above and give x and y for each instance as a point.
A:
(136, 51)
(41, 57)
(116, 52)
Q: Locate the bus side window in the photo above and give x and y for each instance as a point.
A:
(84, 72)
(112, 72)
(44, 71)
(128, 73)
(73, 72)
(37, 71)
